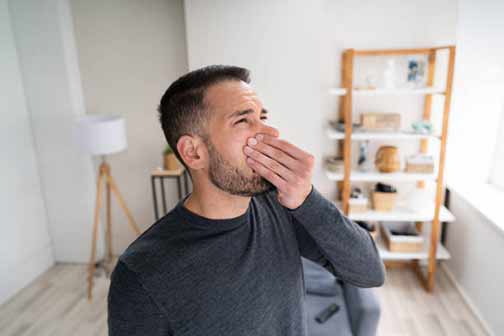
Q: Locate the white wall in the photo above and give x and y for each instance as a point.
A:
(129, 52)
(44, 36)
(476, 238)
(293, 49)
(25, 245)
(478, 90)
(477, 246)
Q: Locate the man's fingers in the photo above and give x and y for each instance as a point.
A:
(267, 173)
(278, 155)
(273, 164)
(285, 146)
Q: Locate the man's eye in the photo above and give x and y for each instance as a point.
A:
(245, 119)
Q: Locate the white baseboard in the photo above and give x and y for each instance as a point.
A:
(16, 277)
(467, 300)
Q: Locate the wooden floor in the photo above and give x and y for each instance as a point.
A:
(56, 304)
(407, 309)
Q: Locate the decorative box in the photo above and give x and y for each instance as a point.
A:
(358, 204)
(420, 163)
(402, 242)
(381, 121)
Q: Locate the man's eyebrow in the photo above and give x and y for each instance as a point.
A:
(245, 112)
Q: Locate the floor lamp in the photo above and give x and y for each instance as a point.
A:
(101, 136)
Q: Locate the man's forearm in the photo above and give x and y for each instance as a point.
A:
(349, 249)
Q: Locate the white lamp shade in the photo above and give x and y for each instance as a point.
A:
(101, 135)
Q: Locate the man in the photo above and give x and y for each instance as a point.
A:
(226, 260)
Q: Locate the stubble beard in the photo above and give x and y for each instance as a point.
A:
(231, 179)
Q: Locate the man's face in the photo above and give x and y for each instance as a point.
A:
(236, 114)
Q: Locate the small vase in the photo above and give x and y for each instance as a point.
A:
(387, 159)
(389, 75)
(170, 162)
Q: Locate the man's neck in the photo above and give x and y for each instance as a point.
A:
(214, 203)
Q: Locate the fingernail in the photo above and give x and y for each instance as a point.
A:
(259, 137)
(248, 150)
(252, 141)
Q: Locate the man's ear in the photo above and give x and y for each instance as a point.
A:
(193, 151)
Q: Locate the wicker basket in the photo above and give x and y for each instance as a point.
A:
(383, 201)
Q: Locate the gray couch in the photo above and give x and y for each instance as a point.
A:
(359, 312)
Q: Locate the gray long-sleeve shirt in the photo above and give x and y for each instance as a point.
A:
(191, 275)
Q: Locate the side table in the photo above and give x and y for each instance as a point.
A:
(162, 174)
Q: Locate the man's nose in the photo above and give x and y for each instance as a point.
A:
(270, 130)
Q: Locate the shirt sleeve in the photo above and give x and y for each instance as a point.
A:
(326, 236)
(131, 310)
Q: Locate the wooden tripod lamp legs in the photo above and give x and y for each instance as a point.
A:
(111, 186)
(114, 188)
(91, 267)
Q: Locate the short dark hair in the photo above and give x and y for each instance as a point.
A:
(182, 109)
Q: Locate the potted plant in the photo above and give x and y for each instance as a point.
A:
(169, 159)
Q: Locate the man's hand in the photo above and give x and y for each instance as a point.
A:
(286, 166)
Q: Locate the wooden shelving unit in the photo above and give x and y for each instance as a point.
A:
(437, 213)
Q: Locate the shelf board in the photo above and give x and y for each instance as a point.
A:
(401, 214)
(441, 252)
(398, 91)
(383, 91)
(369, 135)
(337, 91)
(377, 176)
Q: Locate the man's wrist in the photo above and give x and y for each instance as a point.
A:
(310, 193)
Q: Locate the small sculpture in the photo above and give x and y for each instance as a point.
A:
(363, 163)
(422, 127)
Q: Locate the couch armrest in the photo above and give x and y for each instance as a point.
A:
(363, 309)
